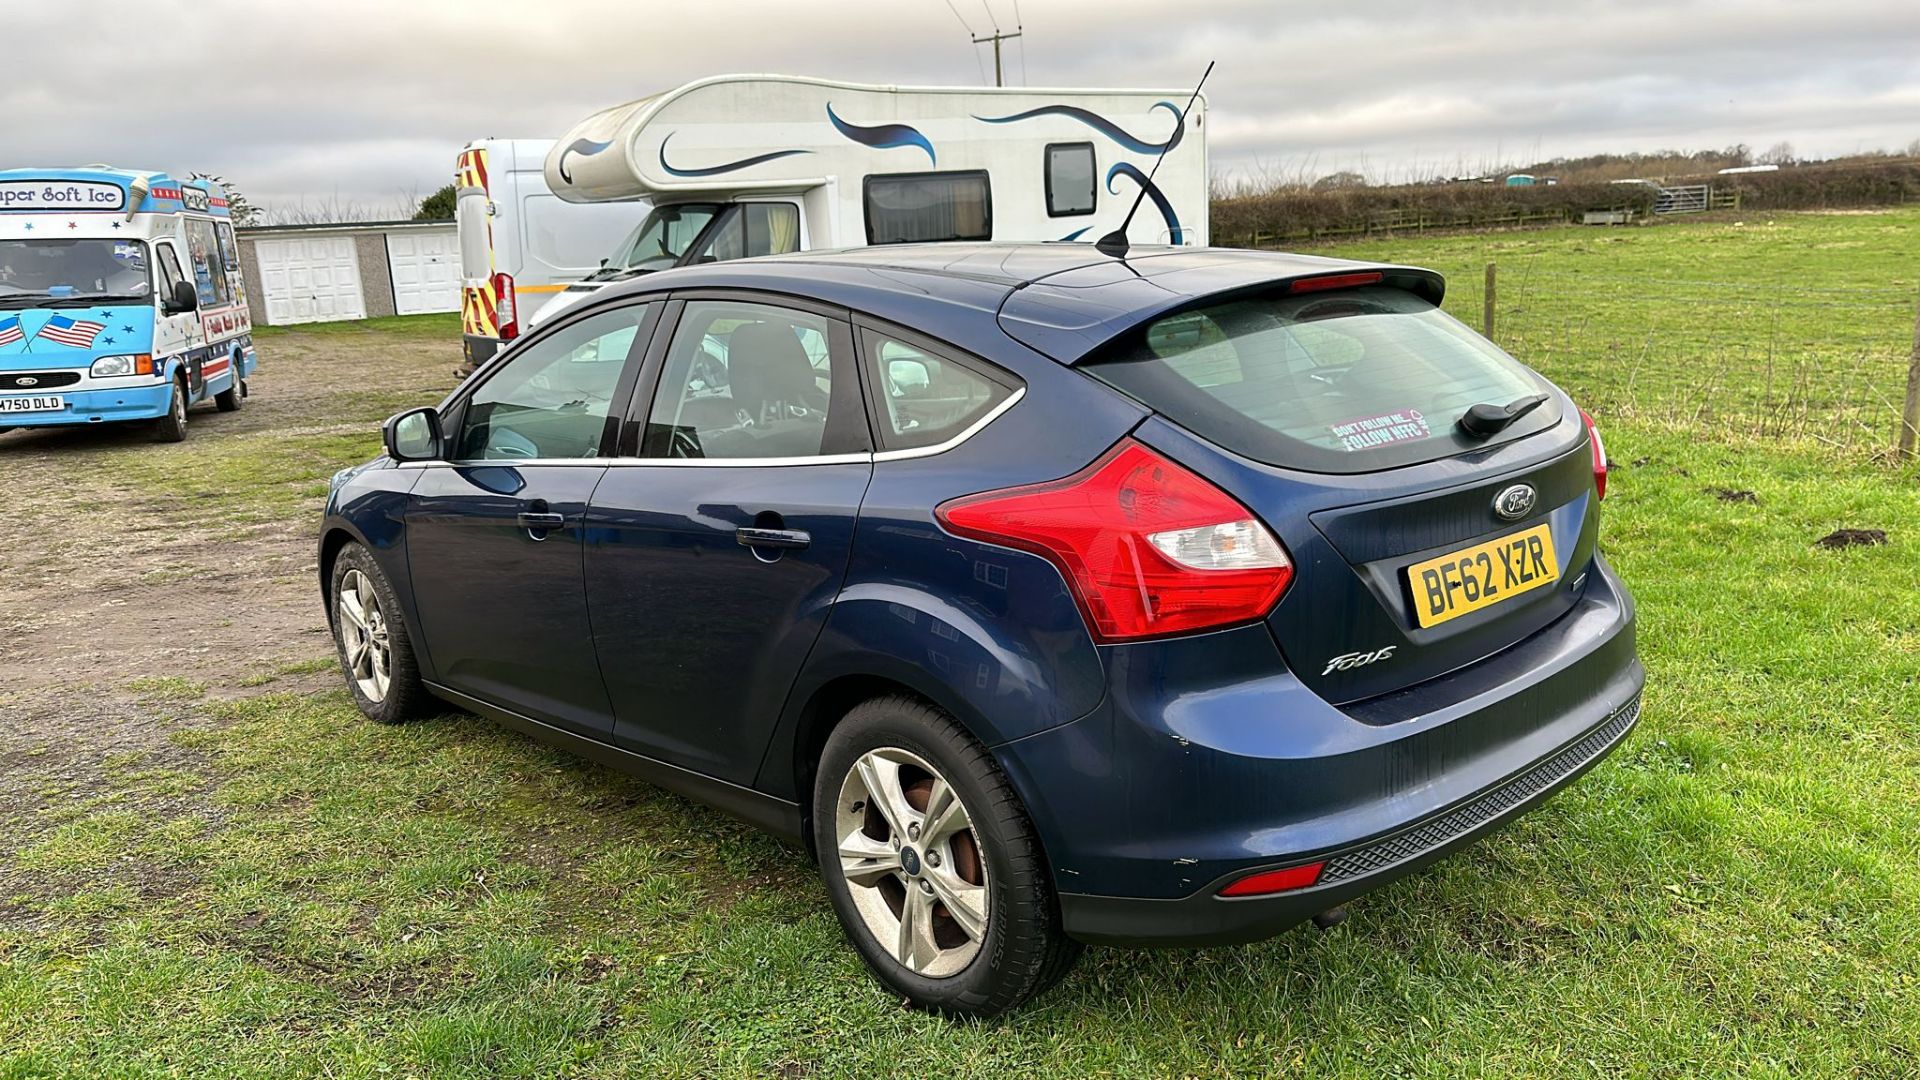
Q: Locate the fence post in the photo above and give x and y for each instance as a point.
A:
(1910, 416)
(1486, 311)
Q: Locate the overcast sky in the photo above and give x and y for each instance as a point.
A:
(365, 102)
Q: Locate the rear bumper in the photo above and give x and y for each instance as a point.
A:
(478, 348)
(143, 402)
(1208, 761)
(1207, 919)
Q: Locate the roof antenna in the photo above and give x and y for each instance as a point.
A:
(1115, 242)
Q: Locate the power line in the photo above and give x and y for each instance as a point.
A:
(1019, 24)
(991, 21)
(963, 22)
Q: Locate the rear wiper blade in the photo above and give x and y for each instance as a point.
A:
(1486, 419)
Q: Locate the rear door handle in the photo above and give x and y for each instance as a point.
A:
(538, 522)
(771, 538)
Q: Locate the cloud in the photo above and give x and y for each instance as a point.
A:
(367, 102)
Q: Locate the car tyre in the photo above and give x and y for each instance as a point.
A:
(373, 640)
(172, 428)
(968, 882)
(229, 400)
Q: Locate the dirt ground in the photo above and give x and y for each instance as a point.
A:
(132, 572)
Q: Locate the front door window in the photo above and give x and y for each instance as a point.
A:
(553, 398)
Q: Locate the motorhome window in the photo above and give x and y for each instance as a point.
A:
(203, 256)
(229, 251)
(755, 229)
(1070, 172)
(908, 208)
(663, 238)
(560, 236)
(33, 271)
(470, 220)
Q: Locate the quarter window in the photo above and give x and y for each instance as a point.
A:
(552, 399)
(913, 207)
(746, 380)
(925, 398)
(170, 274)
(1070, 170)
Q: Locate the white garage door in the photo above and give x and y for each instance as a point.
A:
(310, 279)
(426, 270)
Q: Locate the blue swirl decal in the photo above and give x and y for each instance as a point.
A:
(1074, 235)
(716, 170)
(882, 136)
(583, 147)
(1105, 126)
(1159, 197)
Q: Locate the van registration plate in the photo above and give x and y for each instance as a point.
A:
(1482, 575)
(34, 403)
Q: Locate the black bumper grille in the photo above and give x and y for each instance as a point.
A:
(1468, 816)
(37, 380)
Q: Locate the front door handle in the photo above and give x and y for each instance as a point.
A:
(771, 538)
(538, 522)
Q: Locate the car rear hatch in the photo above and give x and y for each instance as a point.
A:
(1332, 413)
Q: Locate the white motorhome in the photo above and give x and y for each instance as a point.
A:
(743, 165)
(519, 244)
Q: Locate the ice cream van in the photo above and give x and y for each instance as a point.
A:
(120, 300)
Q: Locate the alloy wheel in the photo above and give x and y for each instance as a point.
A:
(912, 863)
(363, 636)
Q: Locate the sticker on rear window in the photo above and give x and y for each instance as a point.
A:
(1387, 428)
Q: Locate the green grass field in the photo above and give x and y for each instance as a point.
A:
(1736, 892)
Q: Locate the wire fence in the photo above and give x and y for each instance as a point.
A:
(1778, 360)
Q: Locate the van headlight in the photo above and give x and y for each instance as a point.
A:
(108, 367)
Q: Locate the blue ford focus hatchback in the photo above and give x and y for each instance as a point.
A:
(1047, 597)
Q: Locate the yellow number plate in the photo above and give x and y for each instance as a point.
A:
(1482, 575)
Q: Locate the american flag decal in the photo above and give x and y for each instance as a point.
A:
(10, 331)
(78, 333)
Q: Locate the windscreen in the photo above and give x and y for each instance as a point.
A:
(659, 241)
(1339, 382)
(43, 273)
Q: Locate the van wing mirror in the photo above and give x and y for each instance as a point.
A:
(184, 298)
(414, 435)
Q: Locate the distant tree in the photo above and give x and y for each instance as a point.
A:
(437, 206)
(1913, 148)
(243, 212)
(1780, 153)
(1339, 180)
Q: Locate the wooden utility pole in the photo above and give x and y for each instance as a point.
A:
(1486, 306)
(997, 37)
(1910, 416)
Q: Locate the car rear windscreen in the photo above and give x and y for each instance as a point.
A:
(1338, 382)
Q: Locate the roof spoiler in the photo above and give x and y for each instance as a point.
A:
(1072, 315)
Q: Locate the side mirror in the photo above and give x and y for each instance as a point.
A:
(908, 377)
(413, 435)
(185, 298)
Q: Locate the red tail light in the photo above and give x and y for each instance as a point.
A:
(503, 308)
(1335, 281)
(1599, 455)
(1148, 547)
(1273, 881)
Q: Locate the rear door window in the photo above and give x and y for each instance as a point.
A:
(752, 380)
(1339, 382)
